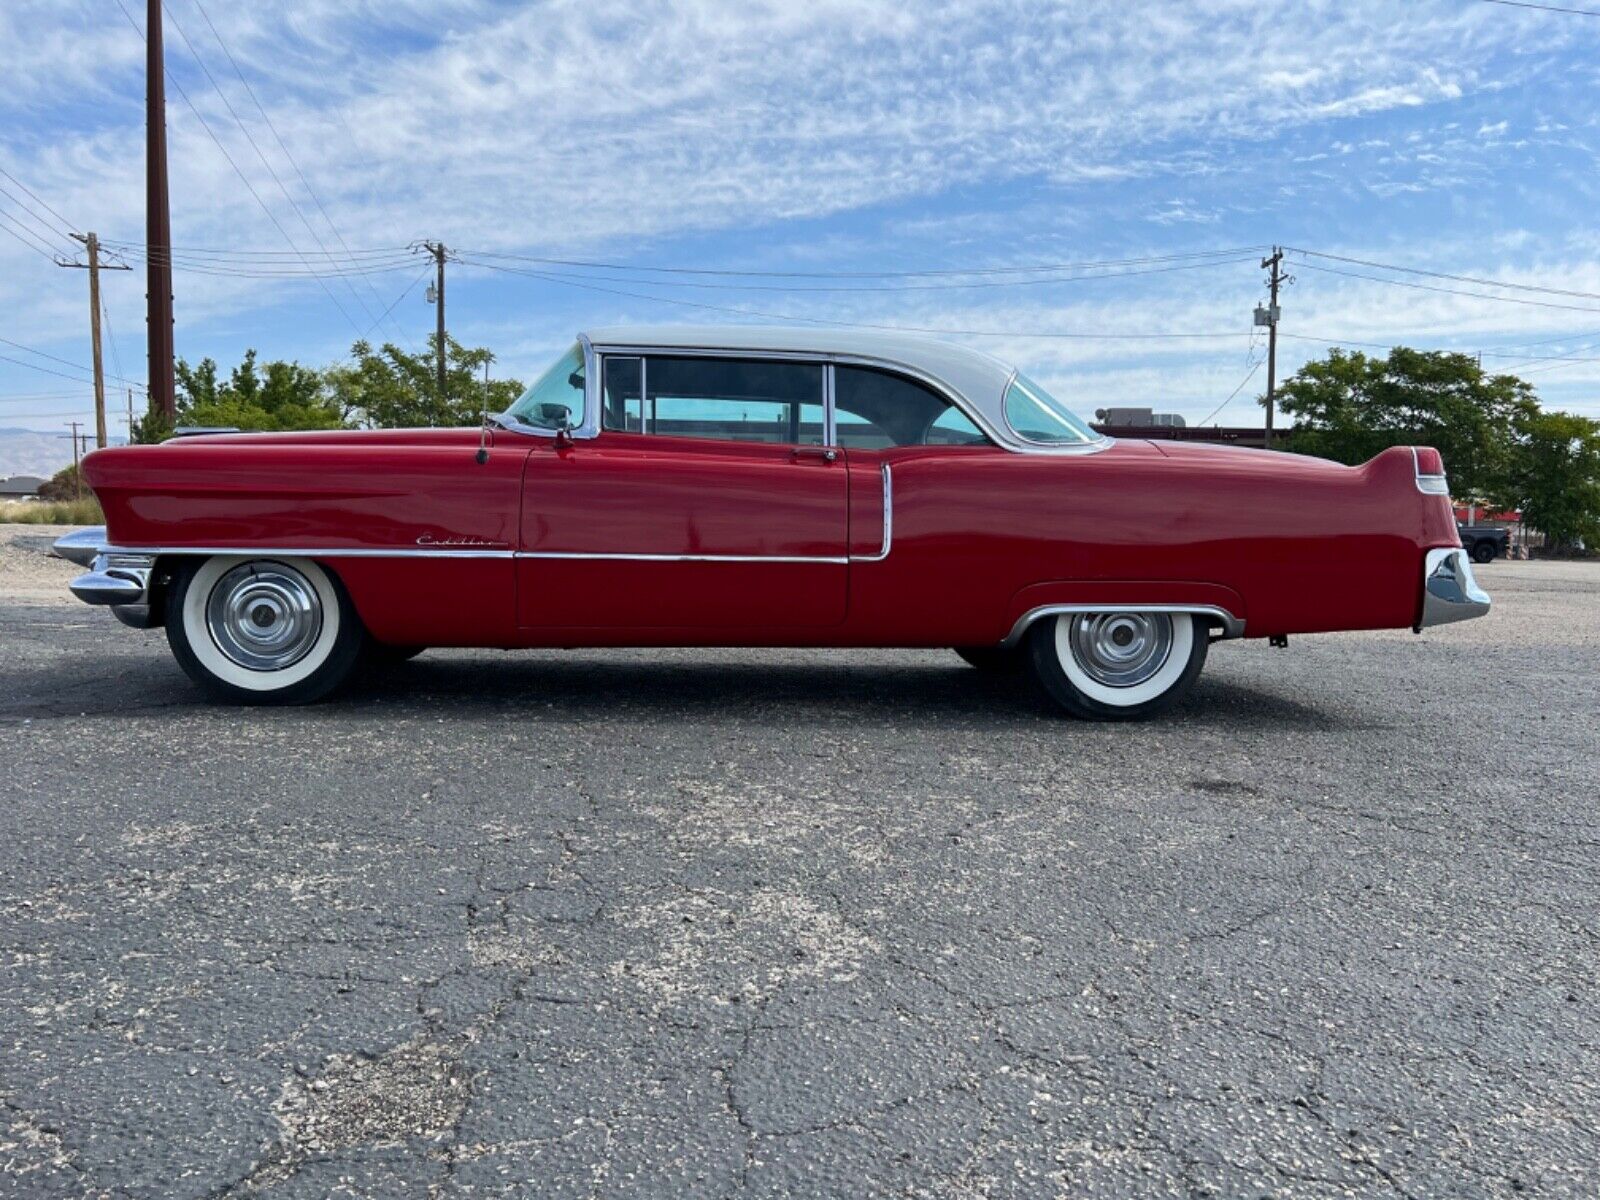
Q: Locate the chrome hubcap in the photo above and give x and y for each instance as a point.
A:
(1121, 649)
(265, 616)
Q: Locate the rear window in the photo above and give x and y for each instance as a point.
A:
(1036, 416)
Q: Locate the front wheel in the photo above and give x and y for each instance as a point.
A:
(1117, 666)
(262, 630)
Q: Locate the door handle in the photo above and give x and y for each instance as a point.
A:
(825, 453)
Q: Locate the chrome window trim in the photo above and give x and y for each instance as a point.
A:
(1232, 626)
(883, 364)
(589, 427)
(830, 422)
(1002, 437)
(643, 353)
(1100, 443)
(888, 521)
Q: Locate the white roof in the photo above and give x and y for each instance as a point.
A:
(977, 378)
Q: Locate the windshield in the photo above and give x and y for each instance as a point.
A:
(555, 401)
(1036, 416)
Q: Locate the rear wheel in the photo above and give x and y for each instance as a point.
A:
(262, 630)
(1482, 551)
(995, 660)
(1114, 666)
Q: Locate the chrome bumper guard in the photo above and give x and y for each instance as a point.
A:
(1449, 591)
(115, 578)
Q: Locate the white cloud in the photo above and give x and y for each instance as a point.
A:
(614, 125)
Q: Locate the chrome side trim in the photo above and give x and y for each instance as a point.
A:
(719, 558)
(888, 521)
(1449, 591)
(81, 546)
(1232, 626)
(311, 552)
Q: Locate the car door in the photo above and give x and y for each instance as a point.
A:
(708, 501)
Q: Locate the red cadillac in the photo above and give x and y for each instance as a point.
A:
(762, 487)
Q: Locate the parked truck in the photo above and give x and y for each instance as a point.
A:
(1484, 543)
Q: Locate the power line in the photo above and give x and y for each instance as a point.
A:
(65, 224)
(304, 182)
(899, 287)
(46, 370)
(295, 208)
(1577, 12)
(33, 214)
(1424, 287)
(234, 252)
(1481, 282)
(26, 237)
(1329, 341)
(1248, 377)
(66, 362)
(249, 187)
(750, 312)
(1234, 252)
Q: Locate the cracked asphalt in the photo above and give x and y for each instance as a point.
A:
(684, 924)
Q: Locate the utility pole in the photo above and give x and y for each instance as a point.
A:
(77, 476)
(93, 266)
(130, 416)
(1269, 318)
(436, 296)
(158, 223)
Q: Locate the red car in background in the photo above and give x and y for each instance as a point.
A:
(762, 487)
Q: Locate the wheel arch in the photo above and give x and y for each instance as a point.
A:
(1222, 607)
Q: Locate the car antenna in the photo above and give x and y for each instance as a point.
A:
(483, 424)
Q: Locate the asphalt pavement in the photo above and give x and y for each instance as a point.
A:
(680, 924)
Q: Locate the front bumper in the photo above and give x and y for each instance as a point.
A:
(1449, 591)
(115, 578)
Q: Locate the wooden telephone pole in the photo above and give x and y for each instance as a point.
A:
(158, 223)
(440, 253)
(1274, 263)
(94, 266)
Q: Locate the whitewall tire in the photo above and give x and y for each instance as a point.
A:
(1118, 665)
(262, 630)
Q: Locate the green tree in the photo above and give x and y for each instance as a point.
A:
(390, 388)
(65, 484)
(1555, 477)
(277, 396)
(1350, 406)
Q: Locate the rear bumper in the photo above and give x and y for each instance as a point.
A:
(1449, 591)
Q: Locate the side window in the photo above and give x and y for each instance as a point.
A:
(874, 409)
(622, 402)
(733, 399)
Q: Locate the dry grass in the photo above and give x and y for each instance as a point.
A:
(52, 512)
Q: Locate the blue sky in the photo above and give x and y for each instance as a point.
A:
(838, 136)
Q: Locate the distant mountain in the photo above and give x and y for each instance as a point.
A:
(29, 452)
